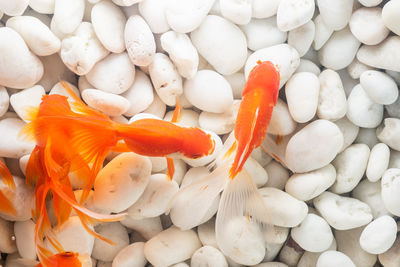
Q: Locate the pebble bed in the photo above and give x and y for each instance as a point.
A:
(333, 200)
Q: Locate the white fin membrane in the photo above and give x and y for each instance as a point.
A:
(276, 151)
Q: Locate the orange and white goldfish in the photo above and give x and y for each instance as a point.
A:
(62, 259)
(5, 205)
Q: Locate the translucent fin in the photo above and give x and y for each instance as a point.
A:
(171, 168)
(177, 111)
(277, 151)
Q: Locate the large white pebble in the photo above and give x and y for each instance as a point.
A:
(332, 258)
(342, 213)
(42, 6)
(139, 41)
(154, 12)
(182, 52)
(314, 146)
(208, 256)
(209, 91)
(130, 256)
(379, 235)
(391, 190)
(19, 67)
(146, 227)
(25, 239)
(23, 100)
(171, 246)
(7, 242)
(114, 74)
(322, 33)
(121, 182)
(335, 14)
(109, 24)
(81, 50)
(350, 167)
(281, 122)
(239, 12)
(36, 35)
(221, 43)
(379, 86)
(108, 103)
(302, 91)
(332, 104)
(68, 14)
(390, 16)
(166, 80)
(283, 55)
(294, 13)
(116, 233)
(361, 110)
(184, 16)
(378, 162)
(302, 37)
(306, 186)
(265, 9)
(11, 146)
(339, 51)
(388, 133)
(13, 8)
(284, 210)
(370, 193)
(313, 234)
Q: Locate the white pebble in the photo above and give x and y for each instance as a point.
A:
(130, 256)
(166, 79)
(391, 190)
(10, 145)
(19, 68)
(350, 167)
(349, 131)
(157, 108)
(59, 89)
(4, 101)
(388, 133)
(302, 37)
(378, 162)
(42, 6)
(390, 16)
(114, 74)
(36, 35)
(146, 227)
(153, 11)
(361, 110)
(335, 14)
(126, 3)
(237, 82)
(209, 91)
(206, 232)
(294, 13)
(108, 103)
(139, 41)
(239, 12)
(342, 213)
(109, 23)
(7, 242)
(314, 146)
(25, 239)
(370, 3)
(277, 175)
(370, 193)
(221, 43)
(182, 53)
(339, 51)
(68, 15)
(283, 209)
(265, 9)
(379, 86)
(306, 186)
(13, 8)
(171, 246)
(356, 68)
(302, 91)
(391, 257)
(281, 122)
(322, 33)
(23, 100)
(379, 235)
(308, 66)
(332, 258)
(187, 117)
(208, 256)
(54, 71)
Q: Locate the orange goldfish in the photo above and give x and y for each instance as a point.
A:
(63, 259)
(5, 205)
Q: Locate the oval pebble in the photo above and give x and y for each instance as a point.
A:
(388, 133)
(332, 258)
(108, 103)
(68, 14)
(206, 232)
(265, 9)
(153, 11)
(24, 99)
(54, 71)
(13, 8)
(294, 13)
(237, 12)
(349, 131)
(390, 16)
(342, 213)
(25, 239)
(219, 123)
(391, 190)
(314, 146)
(281, 122)
(10, 145)
(7, 243)
(146, 227)
(356, 68)
(370, 3)
(130, 256)
(42, 6)
(391, 258)
(335, 14)
(322, 33)
(302, 37)
(379, 86)
(378, 162)
(208, 256)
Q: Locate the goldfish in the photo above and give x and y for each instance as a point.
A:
(5, 205)
(63, 259)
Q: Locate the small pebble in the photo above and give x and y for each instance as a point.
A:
(302, 37)
(265, 9)
(13, 8)
(356, 68)
(308, 66)
(294, 13)
(130, 256)
(10, 145)
(237, 12)
(25, 99)
(380, 87)
(335, 14)
(334, 258)
(391, 258)
(378, 162)
(7, 243)
(388, 133)
(349, 131)
(42, 6)
(25, 239)
(390, 190)
(390, 16)
(281, 122)
(322, 33)
(108, 103)
(208, 256)
(277, 175)
(146, 227)
(154, 13)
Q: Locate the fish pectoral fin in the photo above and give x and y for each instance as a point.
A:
(171, 168)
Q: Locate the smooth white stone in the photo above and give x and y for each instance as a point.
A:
(390, 16)
(221, 43)
(265, 9)
(361, 110)
(153, 11)
(308, 66)
(260, 156)
(121, 182)
(309, 259)
(206, 232)
(59, 89)
(302, 37)
(302, 91)
(140, 94)
(7, 241)
(256, 172)
(11, 146)
(219, 123)
(20, 68)
(146, 227)
(281, 122)
(68, 14)
(208, 256)
(335, 14)
(284, 210)
(166, 79)
(367, 26)
(388, 133)
(348, 81)
(109, 23)
(391, 257)
(114, 74)
(370, 3)
(385, 55)
(378, 162)
(108, 103)
(332, 104)
(139, 41)
(283, 55)
(322, 33)
(13, 8)
(36, 35)
(379, 235)
(356, 68)
(182, 53)
(4, 101)
(349, 131)
(306, 186)
(342, 213)
(314, 146)
(350, 167)
(390, 190)
(209, 91)
(239, 12)
(130, 256)
(339, 51)
(23, 100)
(294, 13)
(126, 2)
(394, 161)
(237, 82)
(370, 193)
(54, 71)
(332, 258)
(43, 6)
(171, 246)
(313, 234)
(379, 86)
(25, 239)
(186, 15)
(81, 50)
(255, 32)
(277, 175)
(116, 233)
(157, 108)
(367, 136)
(187, 117)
